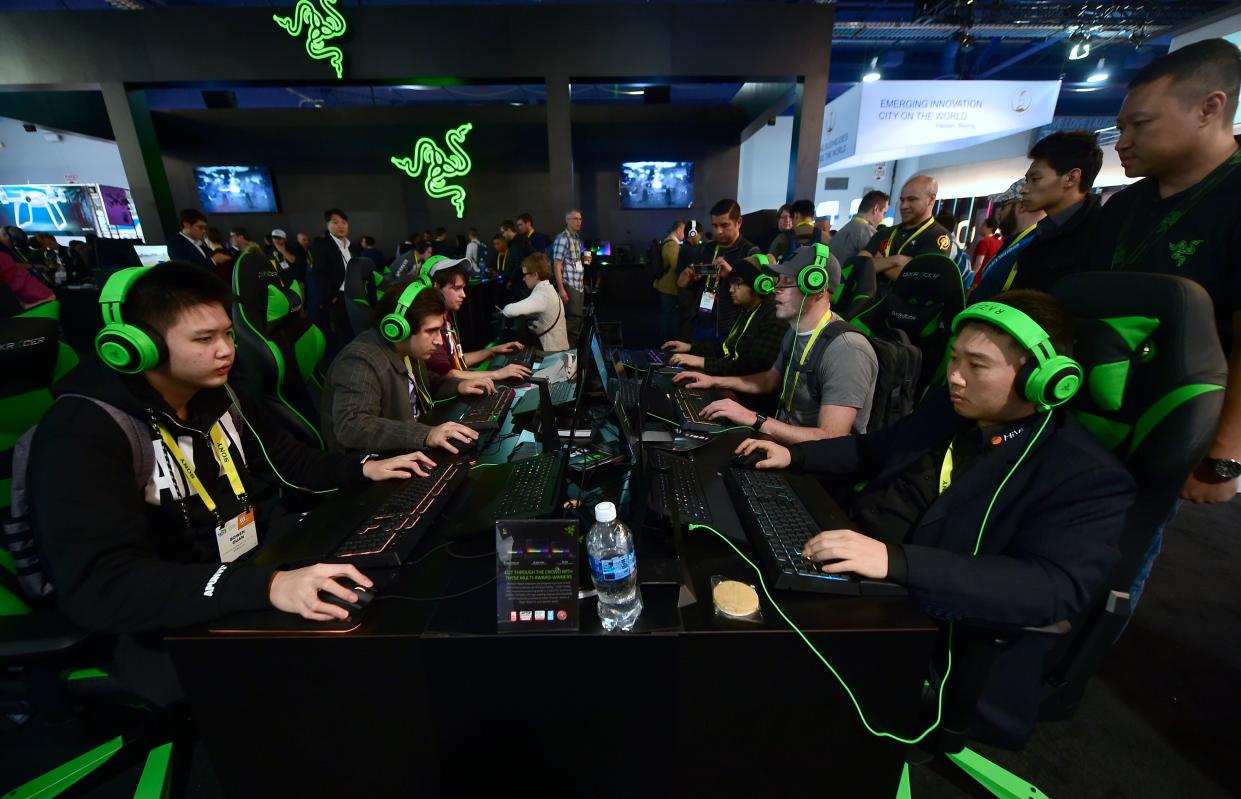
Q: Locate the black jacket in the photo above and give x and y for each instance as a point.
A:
(326, 272)
(1050, 541)
(1061, 251)
(129, 560)
(182, 249)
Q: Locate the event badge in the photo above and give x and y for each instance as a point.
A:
(237, 536)
(707, 303)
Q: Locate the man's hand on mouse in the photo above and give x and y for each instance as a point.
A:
(297, 591)
(443, 435)
(398, 467)
(775, 456)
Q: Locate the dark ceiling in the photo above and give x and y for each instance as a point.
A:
(926, 40)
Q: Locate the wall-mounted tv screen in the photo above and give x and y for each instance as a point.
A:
(235, 189)
(657, 184)
(120, 212)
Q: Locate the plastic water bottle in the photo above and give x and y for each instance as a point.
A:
(613, 567)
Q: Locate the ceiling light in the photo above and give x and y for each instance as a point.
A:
(1079, 51)
(873, 74)
(418, 88)
(1100, 73)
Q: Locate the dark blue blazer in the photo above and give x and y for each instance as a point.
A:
(182, 249)
(1049, 546)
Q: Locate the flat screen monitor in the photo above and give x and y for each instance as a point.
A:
(59, 209)
(235, 189)
(657, 184)
(120, 213)
(150, 254)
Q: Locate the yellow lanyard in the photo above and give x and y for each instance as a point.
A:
(501, 261)
(1012, 274)
(805, 353)
(888, 249)
(945, 470)
(734, 336)
(220, 444)
(711, 278)
(424, 396)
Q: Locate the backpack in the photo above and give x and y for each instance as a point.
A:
(896, 383)
(18, 537)
(482, 254)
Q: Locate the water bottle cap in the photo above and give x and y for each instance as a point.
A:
(605, 512)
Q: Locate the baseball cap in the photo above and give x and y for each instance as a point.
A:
(805, 257)
(1013, 192)
(278, 234)
(438, 262)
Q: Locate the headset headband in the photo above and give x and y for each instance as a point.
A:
(1016, 323)
(1049, 379)
(113, 294)
(395, 326)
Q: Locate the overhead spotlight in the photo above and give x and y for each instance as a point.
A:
(873, 75)
(1100, 73)
(1080, 50)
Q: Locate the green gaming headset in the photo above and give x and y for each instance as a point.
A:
(1047, 379)
(813, 277)
(127, 347)
(765, 283)
(394, 327)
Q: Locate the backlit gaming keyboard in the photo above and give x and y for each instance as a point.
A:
(674, 483)
(532, 487)
(487, 411)
(391, 533)
(689, 405)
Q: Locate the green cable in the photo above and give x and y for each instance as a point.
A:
(939, 702)
(267, 457)
(726, 429)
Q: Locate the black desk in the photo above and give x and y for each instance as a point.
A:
(424, 698)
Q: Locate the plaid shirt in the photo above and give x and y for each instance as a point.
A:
(567, 248)
(753, 352)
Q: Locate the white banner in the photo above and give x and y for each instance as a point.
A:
(889, 120)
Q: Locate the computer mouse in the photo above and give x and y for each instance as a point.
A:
(365, 595)
(750, 459)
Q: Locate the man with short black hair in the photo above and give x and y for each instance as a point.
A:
(802, 233)
(826, 371)
(369, 250)
(518, 248)
(190, 244)
(325, 290)
(1021, 512)
(1062, 171)
(859, 230)
(1176, 134)
(729, 248)
(139, 554)
(448, 359)
(917, 234)
(539, 242)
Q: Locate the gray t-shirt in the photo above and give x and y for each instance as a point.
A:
(854, 236)
(843, 374)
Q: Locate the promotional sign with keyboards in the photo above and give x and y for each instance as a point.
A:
(536, 581)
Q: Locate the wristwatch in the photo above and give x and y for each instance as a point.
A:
(1223, 468)
(757, 427)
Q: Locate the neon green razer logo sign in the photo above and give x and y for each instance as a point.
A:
(319, 27)
(439, 166)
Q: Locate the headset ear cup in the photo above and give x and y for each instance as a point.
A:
(128, 349)
(394, 328)
(1054, 383)
(764, 285)
(812, 280)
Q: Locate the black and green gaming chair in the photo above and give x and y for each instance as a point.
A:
(1153, 391)
(921, 302)
(362, 293)
(279, 353)
(50, 666)
(857, 287)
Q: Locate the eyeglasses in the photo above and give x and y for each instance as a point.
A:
(785, 286)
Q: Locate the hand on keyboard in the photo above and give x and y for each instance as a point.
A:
(729, 410)
(511, 370)
(443, 436)
(770, 454)
(476, 385)
(850, 551)
(399, 467)
(693, 380)
(688, 361)
(675, 346)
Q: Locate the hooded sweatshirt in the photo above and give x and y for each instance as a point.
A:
(130, 560)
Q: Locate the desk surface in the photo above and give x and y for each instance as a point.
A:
(437, 690)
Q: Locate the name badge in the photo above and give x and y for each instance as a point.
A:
(707, 303)
(237, 536)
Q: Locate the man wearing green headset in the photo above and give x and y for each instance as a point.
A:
(824, 377)
(1023, 507)
(150, 481)
(753, 341)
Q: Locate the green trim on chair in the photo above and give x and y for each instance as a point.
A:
(11, 604)
(1001, 783)
(64, 776)
(1133, 330)
(47, 310)
(485, 363)
(1156, 413)
(90, 673)
(1110, 432)
(156, 774)
(277, 304)
(902, 790)
(275, 351)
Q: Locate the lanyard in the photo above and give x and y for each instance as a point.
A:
(454, 346)
(734, 335)
(1012, 273)
(888, 249)
(711, 278)
(1123, 257)
(805, 353)
(220, 445)
(501, 260)
(945, 469)
(423, 396)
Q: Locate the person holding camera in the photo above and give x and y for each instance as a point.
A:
(728, 250)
